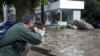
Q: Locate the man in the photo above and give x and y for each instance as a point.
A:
(14, 41)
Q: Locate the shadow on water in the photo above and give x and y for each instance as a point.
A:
(42, 50)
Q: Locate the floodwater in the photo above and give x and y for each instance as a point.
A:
(68, 42)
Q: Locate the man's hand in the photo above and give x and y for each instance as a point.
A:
(41, 31)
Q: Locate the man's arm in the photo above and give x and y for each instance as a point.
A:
(31, 37)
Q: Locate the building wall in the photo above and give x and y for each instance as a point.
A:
(70, 17)
(71, 7)
(73, 15)
(49, 7)
(76, 14)
(67, 4)
(62, 4)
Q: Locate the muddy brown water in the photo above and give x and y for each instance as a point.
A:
(68, 42)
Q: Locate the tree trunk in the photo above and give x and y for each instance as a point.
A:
(22, 6)
(42, 13)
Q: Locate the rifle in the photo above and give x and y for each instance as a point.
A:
(39, 25)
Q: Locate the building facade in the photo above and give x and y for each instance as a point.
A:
(62, 12)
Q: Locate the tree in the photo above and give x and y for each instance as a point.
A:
(92, 10)
(43, 2)
(22, 6)
(42, 12)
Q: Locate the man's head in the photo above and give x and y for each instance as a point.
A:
(28, 19)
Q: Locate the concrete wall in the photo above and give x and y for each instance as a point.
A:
(49, 7)
(66, 4)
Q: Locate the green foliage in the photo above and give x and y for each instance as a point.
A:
(62, 27)
(42, 2)
(69, 26)
(92, 10)
(24, 5)
(35, 3)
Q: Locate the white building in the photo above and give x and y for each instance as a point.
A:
(62, 11)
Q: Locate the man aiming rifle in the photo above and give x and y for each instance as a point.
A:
(14, 41)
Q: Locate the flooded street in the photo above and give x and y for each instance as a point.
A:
(68, 42)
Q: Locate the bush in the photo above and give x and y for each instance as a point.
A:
(62, 27)
(69, 26)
